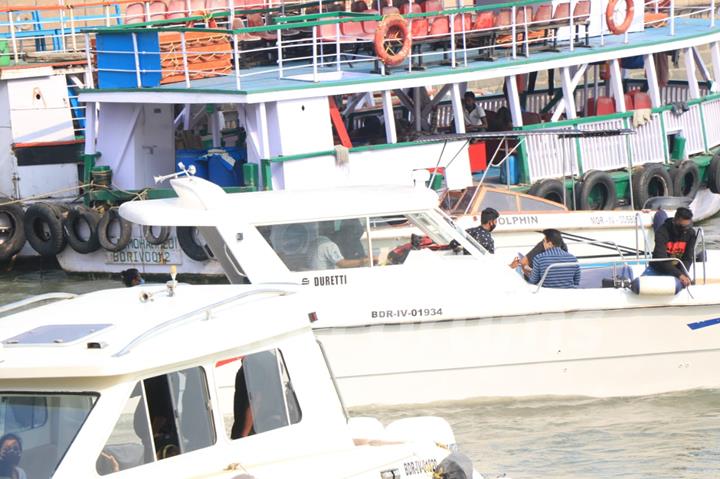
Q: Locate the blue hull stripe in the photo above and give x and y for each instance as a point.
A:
(704, 324)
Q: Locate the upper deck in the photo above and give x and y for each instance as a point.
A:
(330, 53)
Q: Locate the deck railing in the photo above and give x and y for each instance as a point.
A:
(321, 46)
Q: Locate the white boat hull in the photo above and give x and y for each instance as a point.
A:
(588, 353)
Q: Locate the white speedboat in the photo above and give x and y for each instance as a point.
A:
(428, 324)
(190, 381)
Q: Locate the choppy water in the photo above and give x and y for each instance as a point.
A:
(664, 436)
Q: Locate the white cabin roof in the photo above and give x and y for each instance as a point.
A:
(53, 340)
(197, 197)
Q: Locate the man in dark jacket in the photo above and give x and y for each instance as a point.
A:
(674, 239)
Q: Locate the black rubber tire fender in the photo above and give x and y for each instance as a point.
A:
(649, 181)
(158, 239)
(12, 242)
(549, 189)
(685, 179)
(594, 181)
(713, 174)
(189, 245)
(103, 231)
(44, 229)
(76, 217)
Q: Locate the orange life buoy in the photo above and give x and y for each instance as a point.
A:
(392, 40)
(610, 14)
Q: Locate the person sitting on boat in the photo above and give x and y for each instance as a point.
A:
(482, 234)
(524, 262)
(10, 452)
(327, 253)
(475, 118)
(567, 276)
(674, 239)
(131, 277)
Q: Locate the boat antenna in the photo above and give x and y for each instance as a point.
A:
(189, 171)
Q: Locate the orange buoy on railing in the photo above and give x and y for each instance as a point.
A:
(392, 40)
(610, 17)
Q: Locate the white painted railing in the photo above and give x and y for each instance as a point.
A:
(603, 153)
(689, 125)
(646, 145)
(550, 156)
(711, 113)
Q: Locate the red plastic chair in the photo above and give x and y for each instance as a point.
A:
(176, 9)
(504, 19)
(369, 26)
(420, 26)
(256, 20)
(239, 22)
(522, 14)
(581, 13)
(354, 30)
(562, 13)
(158, 10)
(484, 21)
(458, 23)
(629, 103)
(543, 14)
(440, 26)
(605, 106)
(390, 11)
(642, 100)
(135, 13)
(590, 107)
(433, 5)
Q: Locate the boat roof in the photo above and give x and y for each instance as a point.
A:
(259, 84)
(201, 203)
(114, 332)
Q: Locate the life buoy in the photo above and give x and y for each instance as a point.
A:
(44, 229)
(548, 189)
(610, 16)
(597, 191)
(111, 216)
(81, 227)
(156, 239)
(685, 178)
(12, 232)
(713, 174)
(189, 244)
(648, 181)
(392, 40)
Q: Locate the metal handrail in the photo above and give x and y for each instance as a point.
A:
(701, 234)
(35, 299)
(615, 263)
(193, 315)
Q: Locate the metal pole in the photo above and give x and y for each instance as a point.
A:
(452, 40)
(337, 48)
(279, 53)
(88, 58)
(237, 62)
(314, 54)
(12, 36)
(672, 17)
(514, 31)
(136, 55)
(184, 59)
(72, 28)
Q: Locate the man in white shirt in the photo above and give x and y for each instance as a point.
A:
(474, 114)
(328, 256)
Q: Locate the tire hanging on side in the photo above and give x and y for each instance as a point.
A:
(44, 229)
(597, 183)
(13, 238)
(649, 181)
(713, 174)
(111, 216)
(685, 179)
(188, 243)
(73, 225)
(549, 189)
(158, 239)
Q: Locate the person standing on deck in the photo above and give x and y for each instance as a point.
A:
(482, 234)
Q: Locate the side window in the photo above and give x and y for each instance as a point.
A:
(256, 394)
(319, 245)
(498, 200)
(464, 202)
(165, 416)
(391, 239)
(530, 204)
(25, 412)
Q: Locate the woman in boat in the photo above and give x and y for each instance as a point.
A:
(10, 453)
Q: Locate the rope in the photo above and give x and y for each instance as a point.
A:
(140, 195)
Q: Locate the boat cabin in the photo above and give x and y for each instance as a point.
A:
(185, 381)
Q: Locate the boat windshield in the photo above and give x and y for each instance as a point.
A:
(36, 430)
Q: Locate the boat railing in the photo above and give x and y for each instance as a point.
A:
(23, 303)
(200, 314)
(640, 229)
(624, 262)
(701, 235)
(318, 46)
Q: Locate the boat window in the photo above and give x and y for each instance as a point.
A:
(320, 245)
(37, 429)
(501, 201)
(256, 394)
(532, 204)
(165, 416)
(464, 202)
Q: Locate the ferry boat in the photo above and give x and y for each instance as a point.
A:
(302, 95)
(191, 381)
(436, 318)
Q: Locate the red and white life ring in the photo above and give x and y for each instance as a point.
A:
(610, 16)
(392, 40)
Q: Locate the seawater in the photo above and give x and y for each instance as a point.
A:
(664, 436)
